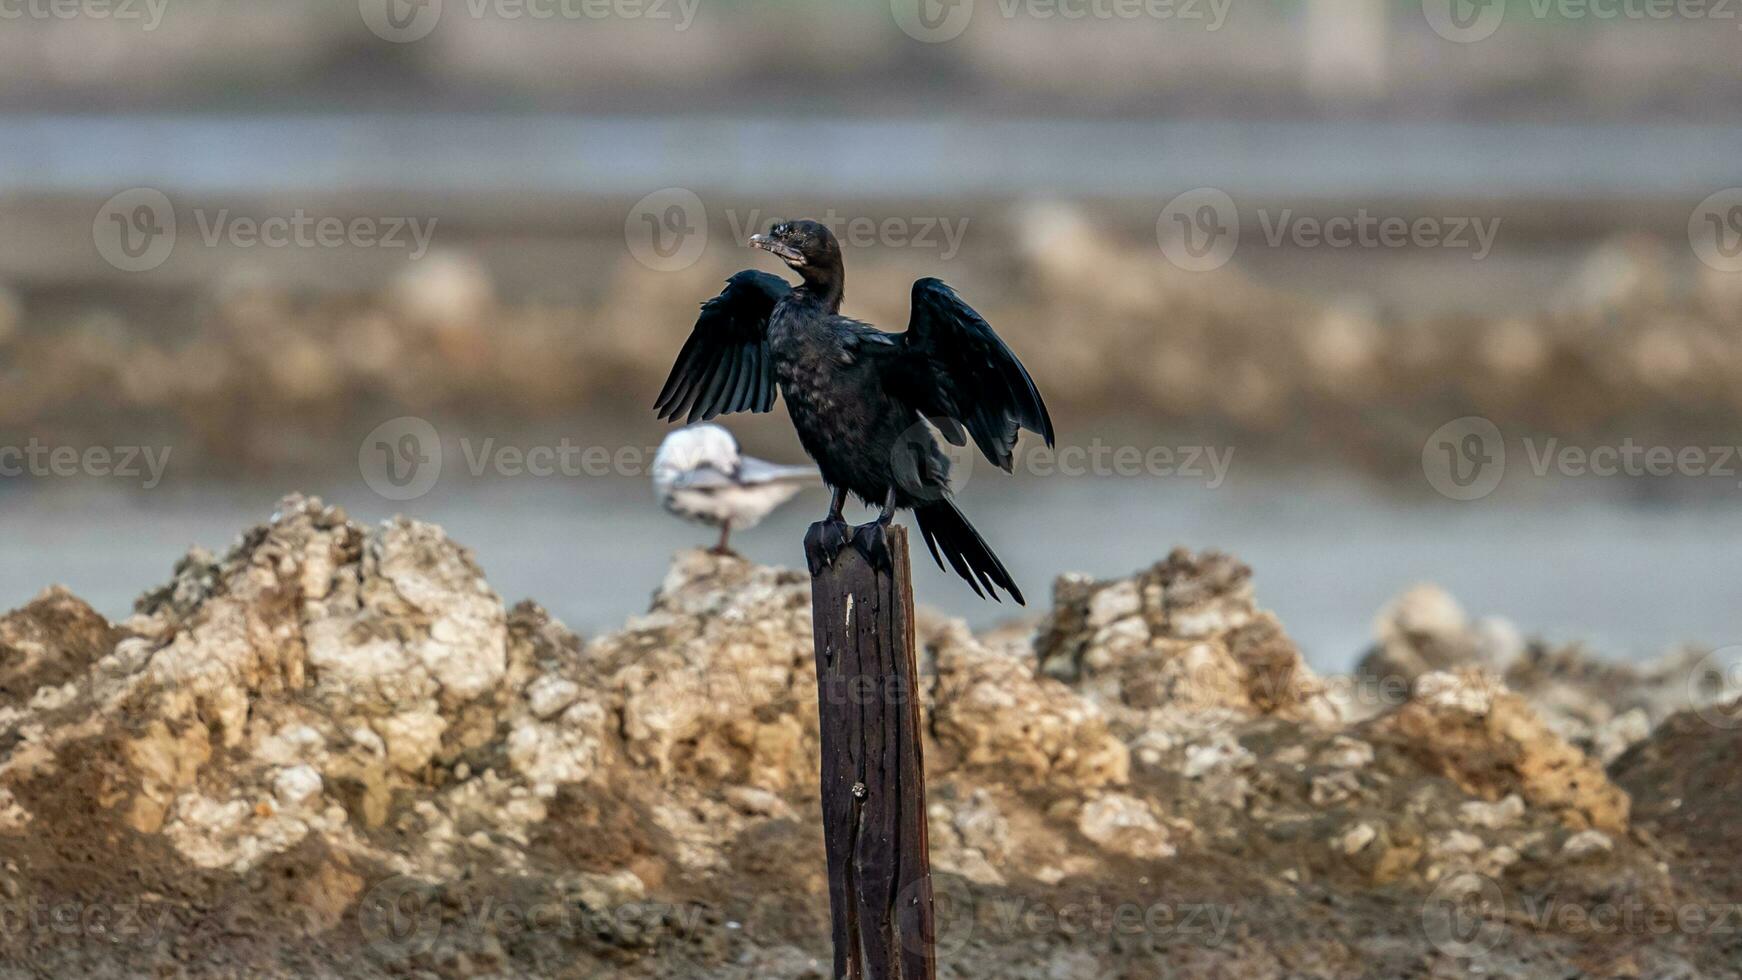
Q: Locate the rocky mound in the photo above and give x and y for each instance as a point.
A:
(335, 751)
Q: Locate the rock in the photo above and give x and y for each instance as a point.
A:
(52, 640)
(1335, 787)
(1586, 843)
(1357, 838)
(1619, 734)
(1221, 754)
(447, 290)
(996, 714)
(1346, 753)
(1425, 630)
(296, 786)
(1127, 825)
(550, 694)
(1183, 634)
(334, 723)
(1493, 816)
(1469, 728)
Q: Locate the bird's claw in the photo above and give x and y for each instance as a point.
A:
(823, 544)
(872, 541)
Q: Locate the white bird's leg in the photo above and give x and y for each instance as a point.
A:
(725, 532)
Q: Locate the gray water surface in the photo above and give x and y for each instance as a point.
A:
(1632, 580)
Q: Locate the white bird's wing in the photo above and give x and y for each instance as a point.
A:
(703, 477)
(755, 471)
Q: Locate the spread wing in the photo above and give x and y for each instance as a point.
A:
(958, 373)
(725, 366)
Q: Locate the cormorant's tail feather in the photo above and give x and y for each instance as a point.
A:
(949, 536)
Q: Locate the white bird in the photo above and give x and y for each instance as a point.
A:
(699, 475)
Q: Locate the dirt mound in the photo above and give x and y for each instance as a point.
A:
(334, 750)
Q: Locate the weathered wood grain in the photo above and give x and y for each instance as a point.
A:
(873, 767)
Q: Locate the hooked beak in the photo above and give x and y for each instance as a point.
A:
(785, 253)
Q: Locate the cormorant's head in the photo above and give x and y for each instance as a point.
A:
(807, 246)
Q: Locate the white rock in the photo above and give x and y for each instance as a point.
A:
(1493, 816)
(1114, 603)
(1346, 753)
(296, 785)
(1358, 837)
(550, 694)
(412, 738)
(1125, 824)
(1585, 843)
(1458, 842)
(1221, 752)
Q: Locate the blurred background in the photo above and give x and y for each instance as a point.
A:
(1366, 292)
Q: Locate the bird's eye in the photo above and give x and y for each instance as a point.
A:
(783, 229)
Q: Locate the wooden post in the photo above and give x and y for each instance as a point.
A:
(873, 770)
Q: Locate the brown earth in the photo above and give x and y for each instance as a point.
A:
(335, 751)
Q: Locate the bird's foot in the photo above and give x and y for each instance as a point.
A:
(724, 552)
(823, 543)
(872, 541)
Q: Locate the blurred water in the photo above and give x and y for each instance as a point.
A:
(1327, 553)
(907, 157)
